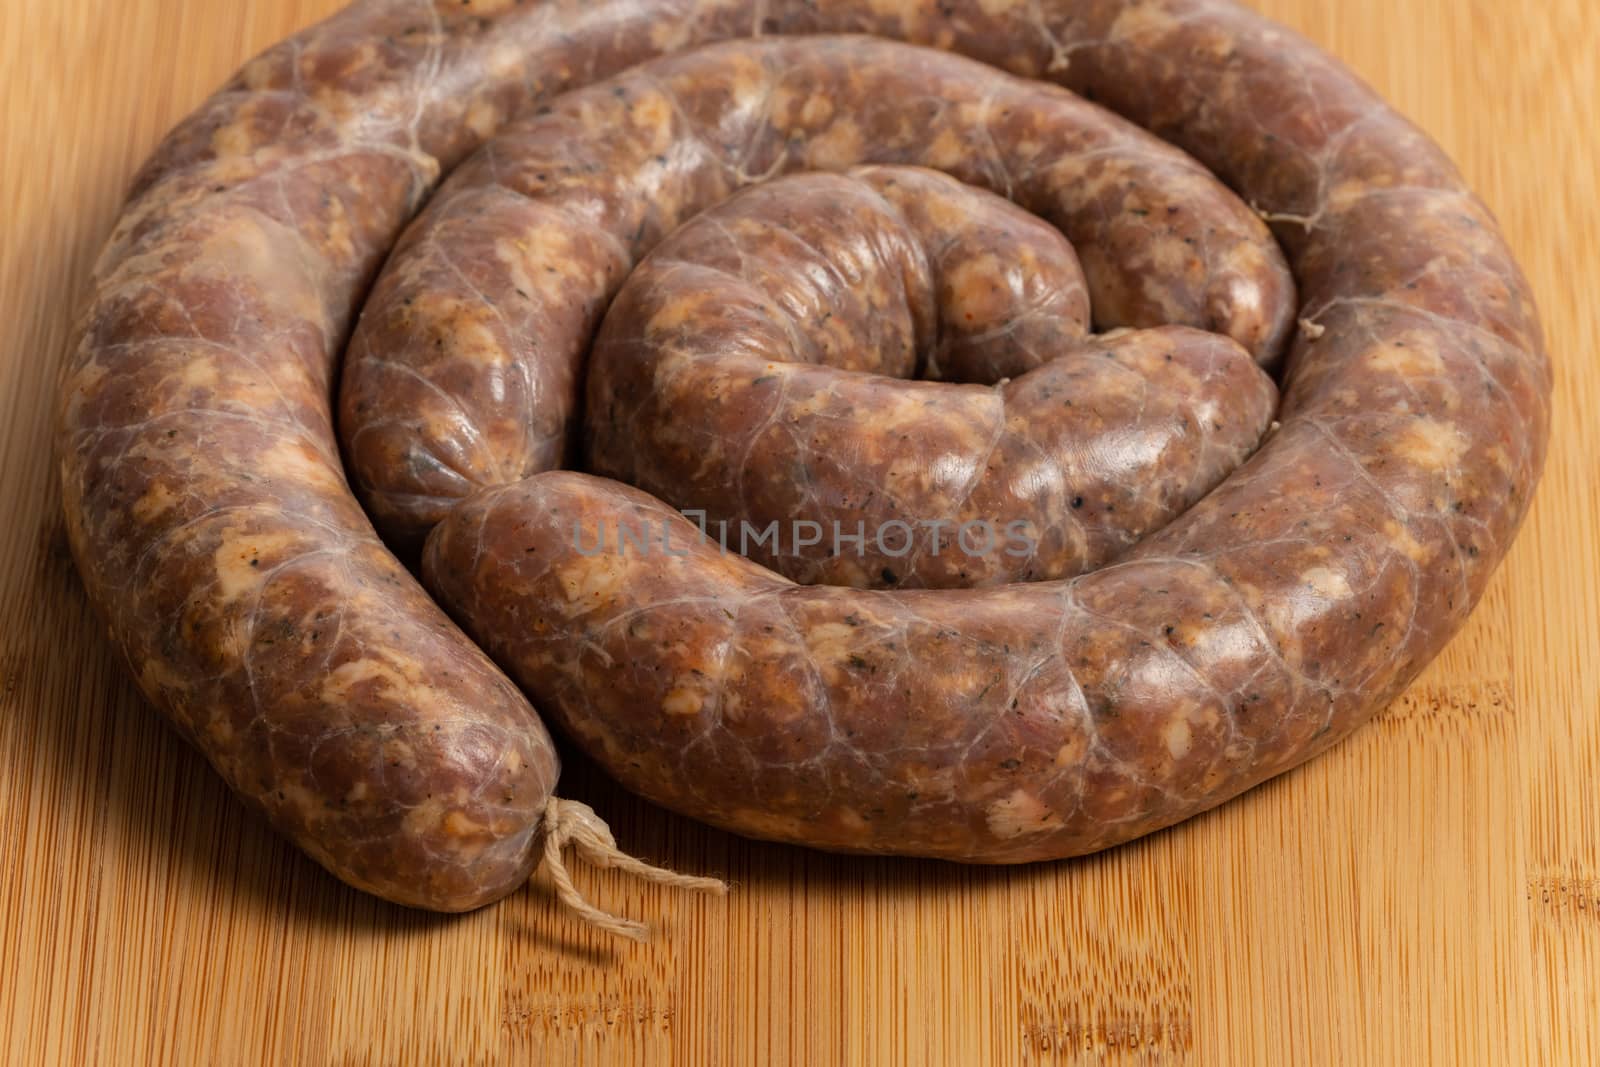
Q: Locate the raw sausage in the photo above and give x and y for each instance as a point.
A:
(211, 521)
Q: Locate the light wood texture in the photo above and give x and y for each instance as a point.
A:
(1428, 893)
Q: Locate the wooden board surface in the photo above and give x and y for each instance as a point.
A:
(1427, 893)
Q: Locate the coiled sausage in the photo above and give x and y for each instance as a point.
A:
(211, 520)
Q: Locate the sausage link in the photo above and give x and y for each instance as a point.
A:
(215, 532)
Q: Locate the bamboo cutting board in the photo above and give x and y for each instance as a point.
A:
(1427, 893)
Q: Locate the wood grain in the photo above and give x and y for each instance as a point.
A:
(1428, 893)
